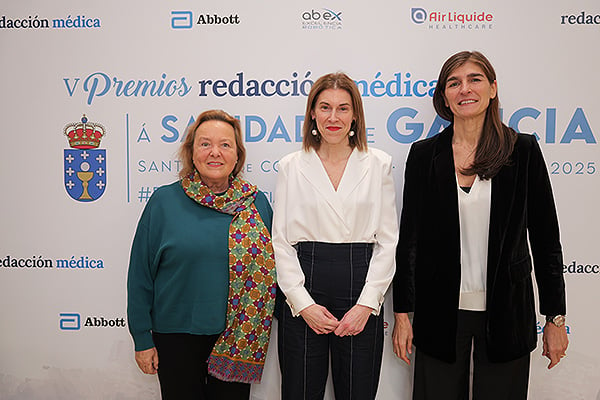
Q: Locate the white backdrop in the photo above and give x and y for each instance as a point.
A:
(256, 60)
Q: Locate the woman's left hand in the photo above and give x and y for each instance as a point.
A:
(555, 343)
(353, 321)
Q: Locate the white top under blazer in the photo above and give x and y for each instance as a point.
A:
(308, 208)
(474, 214)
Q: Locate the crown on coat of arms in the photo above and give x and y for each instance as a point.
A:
(84, 134)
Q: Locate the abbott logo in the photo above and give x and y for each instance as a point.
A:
(181, 20)
(70, 321)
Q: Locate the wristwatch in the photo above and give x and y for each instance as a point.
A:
(558, 320)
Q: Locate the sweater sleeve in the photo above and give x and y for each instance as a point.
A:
(140, 284)
(544, 236)
(404, 279)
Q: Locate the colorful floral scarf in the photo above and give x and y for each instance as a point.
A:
(239, 353)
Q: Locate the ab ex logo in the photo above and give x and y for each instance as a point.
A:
(72, 322)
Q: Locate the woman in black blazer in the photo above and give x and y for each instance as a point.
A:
(475, 197)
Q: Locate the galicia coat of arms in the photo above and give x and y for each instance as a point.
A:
(84, 162)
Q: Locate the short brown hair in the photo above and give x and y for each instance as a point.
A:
(186, 150)
(337, 80)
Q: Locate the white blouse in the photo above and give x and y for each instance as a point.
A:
(308, 208)
(474, 215)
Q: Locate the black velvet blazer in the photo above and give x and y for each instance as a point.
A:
(427, 279)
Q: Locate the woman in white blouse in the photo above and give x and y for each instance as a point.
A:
(334, 234)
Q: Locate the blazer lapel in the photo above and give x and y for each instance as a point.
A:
(355, 171)
(314, 172)
(443, 168)
(444, 180)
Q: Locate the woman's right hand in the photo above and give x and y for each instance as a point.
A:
(147, 360)
(319, 319)
(402, 336)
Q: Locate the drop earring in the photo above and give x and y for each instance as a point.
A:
(315, 132)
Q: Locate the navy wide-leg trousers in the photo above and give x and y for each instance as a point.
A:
(335, 275)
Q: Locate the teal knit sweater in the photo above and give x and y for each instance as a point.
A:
(178, 280)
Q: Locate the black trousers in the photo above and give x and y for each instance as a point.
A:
(439, 380)
(183, 369)
(335, 275)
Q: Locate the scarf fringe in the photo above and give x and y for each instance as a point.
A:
(228, 370)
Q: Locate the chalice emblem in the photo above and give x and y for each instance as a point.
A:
(85, 176)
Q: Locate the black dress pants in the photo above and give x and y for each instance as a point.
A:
(335, 275)
(183, 369)
(438, 380)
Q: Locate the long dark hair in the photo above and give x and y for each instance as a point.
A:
(497, 140)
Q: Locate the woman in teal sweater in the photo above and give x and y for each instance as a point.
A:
(201, 282)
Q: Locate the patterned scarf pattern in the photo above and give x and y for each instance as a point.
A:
(239, 353)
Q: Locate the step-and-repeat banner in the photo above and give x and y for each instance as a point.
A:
(137, 73)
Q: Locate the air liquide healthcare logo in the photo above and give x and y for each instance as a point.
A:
(452, 20)
(84, 162)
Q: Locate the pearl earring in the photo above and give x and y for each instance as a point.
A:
(351, 133)
(314, 132)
